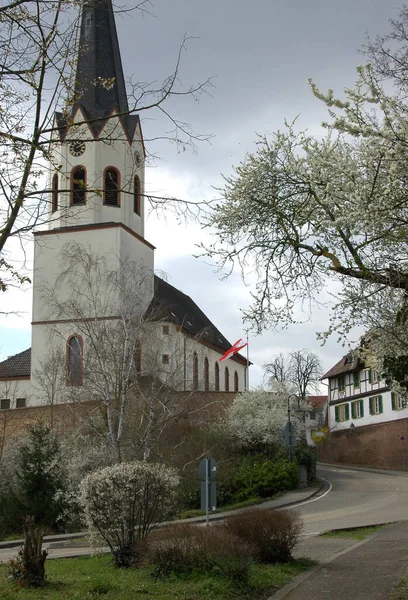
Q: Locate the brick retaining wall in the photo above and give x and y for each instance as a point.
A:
(377, 446)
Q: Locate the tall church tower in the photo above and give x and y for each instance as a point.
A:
(96, 175)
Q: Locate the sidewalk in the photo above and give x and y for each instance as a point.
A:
(65, 546)
(349, 570)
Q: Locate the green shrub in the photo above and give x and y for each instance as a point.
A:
(40, 476)
(307, 455)
(274, 533)
(186, 549)
(262, 477)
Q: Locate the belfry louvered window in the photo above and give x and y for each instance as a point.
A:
(136, 195)
(54, 193)
(78, 185)
(111, 187)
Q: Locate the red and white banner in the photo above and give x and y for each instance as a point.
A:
(233, 350)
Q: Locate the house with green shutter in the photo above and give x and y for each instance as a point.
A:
(358, 396)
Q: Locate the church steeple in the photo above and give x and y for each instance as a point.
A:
(99, 83)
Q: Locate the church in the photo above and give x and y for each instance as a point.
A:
(94, 268)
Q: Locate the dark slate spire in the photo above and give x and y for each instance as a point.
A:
(99, 82)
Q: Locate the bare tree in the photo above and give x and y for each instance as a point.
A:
(37, 40)
(119, 366)
(300, 368)
(50, 379)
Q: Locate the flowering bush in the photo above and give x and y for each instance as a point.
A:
(124, 502)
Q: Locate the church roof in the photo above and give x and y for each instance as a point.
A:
(99, 87)
(169, 304)
(18, 365)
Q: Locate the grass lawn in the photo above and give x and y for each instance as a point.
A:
(356, 533)
(90, 578)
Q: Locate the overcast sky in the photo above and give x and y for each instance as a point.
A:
(260, 54)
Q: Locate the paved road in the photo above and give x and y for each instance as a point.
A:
(356, 498)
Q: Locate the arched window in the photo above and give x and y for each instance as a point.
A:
(226, 379)
(236, 382)
(137, 194)
(78, 185)
(206, 375)
(111, 186)
(138, 358)
(195, 371)
(217, 377)
(75, 351)
(54, 193)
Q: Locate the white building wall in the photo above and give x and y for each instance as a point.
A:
(363, 392)
(179, 350)
(111, 149)
(16, 388)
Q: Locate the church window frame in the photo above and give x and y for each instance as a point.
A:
(165, 359)
(217, 377)
(236, 381)
(111, 188)
(195, 371)
(226, 379)
(137, 195)
(54, 193)
(206, 375)
(78, 190)
(75, 379)
(138, 358)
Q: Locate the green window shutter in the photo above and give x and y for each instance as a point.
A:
(380, 403)
(356, 379)
(353, 410)
(347, 411)
(371, 405)
(362, 408)
(336, 414)
(393, 405)
(370, 375)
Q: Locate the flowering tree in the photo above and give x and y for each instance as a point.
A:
(123, 503)
(258, 418)
(307, 211)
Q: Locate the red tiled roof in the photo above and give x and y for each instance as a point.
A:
(18, 365)
(317, 401)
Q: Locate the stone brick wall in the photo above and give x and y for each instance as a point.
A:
(196, 410)
(376, 446)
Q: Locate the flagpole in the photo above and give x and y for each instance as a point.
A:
(247, 367)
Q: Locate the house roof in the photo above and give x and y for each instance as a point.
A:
(18, 365)
(317, 401)
(168, 304)
(349, 363)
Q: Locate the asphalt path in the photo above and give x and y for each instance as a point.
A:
(354, 499)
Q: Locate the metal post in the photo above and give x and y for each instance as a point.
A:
(290, 431)
(207, 491)
(247, 365)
